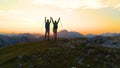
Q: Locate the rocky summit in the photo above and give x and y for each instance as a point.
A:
(61, 53)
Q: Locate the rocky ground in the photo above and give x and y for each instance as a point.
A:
(63, 53)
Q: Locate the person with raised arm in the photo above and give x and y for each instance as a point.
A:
(47, 28)
(55, 26)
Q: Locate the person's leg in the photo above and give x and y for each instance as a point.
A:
(48, 36)
(45, 35)
(54, 33)
(55, 36)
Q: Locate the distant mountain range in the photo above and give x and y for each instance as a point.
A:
(9, 39)
(104, 35)
(111, 34)
(71, 34)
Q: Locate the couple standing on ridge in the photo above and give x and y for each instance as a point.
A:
(47, 27)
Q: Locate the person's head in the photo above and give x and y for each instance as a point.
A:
(47, 20)
(55, 21)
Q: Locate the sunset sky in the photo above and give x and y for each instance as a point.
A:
(83, 16)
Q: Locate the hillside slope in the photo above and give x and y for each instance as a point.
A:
(58, 54)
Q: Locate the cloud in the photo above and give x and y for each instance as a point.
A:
(73, 4)
(91, 4)
(70, 3)
(111, 12)
(94, 4)
(58, 3)
(16, 12)
(13, 14)
(111, 3)
(118, 6)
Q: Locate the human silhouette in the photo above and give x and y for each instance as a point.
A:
(47, 27)
(55, 27)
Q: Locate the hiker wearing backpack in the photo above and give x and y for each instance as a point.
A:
(55, 27)
(47, 27)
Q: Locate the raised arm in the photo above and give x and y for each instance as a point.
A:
(45, 20)
(58, 20)
(52, 19)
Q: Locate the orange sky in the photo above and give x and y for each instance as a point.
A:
(84, 16)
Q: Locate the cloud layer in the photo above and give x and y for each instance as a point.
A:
(92, 4)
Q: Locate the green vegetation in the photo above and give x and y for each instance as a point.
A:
(58, 54)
